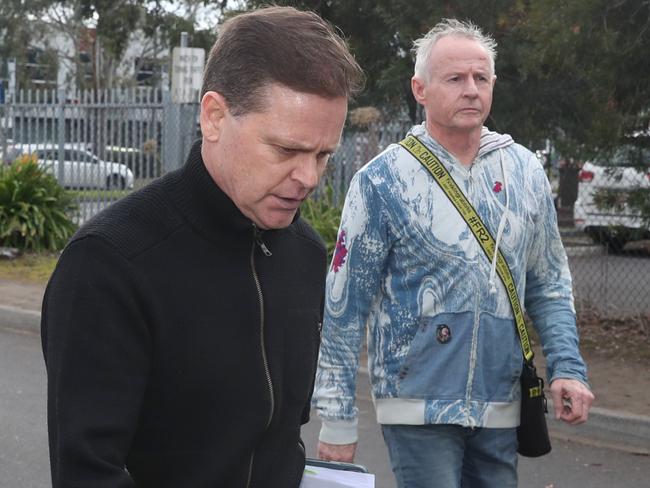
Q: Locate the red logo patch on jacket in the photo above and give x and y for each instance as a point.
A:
(498, 186)
(340, 251)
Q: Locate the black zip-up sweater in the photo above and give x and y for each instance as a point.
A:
(179, 352)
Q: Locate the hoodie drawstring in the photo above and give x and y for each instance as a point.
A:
(502, 225)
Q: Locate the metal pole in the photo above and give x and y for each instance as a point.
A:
(61, 135)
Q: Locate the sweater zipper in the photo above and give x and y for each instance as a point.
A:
(472, 362)
(470, 189)
(257, 241)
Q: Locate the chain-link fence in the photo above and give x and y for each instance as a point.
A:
(600, 208)
(101, 145)
(356, 149)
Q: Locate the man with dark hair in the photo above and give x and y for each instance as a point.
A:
(181, 326)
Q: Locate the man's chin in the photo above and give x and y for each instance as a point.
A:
(277, 220)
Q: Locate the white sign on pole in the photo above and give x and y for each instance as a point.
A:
(11, 68)
(187, 73)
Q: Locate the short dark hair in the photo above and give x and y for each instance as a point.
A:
(281, 45)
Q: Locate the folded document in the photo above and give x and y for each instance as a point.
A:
(320, 477)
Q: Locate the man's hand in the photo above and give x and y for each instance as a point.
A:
(571, 400)
(337, 452)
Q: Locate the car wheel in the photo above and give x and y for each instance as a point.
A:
(613, 241)
(615, 244)
(598, 235)
(115, 182)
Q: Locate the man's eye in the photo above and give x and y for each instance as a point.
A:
(286, 151)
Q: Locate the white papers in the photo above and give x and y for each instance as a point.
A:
(317, 477)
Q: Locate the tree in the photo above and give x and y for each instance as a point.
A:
(363, 25)
(572, 72)
(30, 25)
(119, 23)
(23, 41)
(99, 32)
(593, 53)
(381, 35)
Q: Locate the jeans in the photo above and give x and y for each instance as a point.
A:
(451, 456)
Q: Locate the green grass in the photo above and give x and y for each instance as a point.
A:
(32, 268)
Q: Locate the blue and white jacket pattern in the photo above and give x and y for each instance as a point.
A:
(407, 271)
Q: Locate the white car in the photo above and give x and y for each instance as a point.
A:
(6, 152)
(602, 208)
(81, 168)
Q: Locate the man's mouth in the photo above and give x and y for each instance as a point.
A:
(290, 203)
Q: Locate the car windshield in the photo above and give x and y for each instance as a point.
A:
(79, 155)
(625, 157)
(48, 154)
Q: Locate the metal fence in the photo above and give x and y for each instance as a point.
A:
(140, 134)
(607, 238)
(99, 144)
(356, 149)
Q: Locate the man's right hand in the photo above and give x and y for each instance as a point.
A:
(337, 452)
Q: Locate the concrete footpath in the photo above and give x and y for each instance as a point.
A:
(20, 309)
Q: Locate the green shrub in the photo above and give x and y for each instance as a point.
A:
(324, 215)
(34, 209)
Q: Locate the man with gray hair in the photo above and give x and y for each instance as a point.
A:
(444, 355)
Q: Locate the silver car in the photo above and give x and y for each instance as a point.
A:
(81, 168)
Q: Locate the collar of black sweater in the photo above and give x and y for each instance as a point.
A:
(203, 204)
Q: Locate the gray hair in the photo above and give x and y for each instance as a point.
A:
(450, 27)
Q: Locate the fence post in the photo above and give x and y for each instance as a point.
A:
(189, 122)
(171, 140)
(61, 133)
(4, 122)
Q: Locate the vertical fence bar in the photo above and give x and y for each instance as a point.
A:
(61, 135)
(28, 118)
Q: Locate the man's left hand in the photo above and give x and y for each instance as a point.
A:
(571, 400)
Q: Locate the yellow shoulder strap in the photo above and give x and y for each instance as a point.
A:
(440, 174)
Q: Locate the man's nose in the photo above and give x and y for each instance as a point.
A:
(471, 90)
(307, 172)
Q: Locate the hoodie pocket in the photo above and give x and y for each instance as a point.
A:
(437, 363)
(500, 360)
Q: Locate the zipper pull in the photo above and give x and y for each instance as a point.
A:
(260, 242)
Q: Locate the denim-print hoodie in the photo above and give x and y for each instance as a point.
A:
(442, 344)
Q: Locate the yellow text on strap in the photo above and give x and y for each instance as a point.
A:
(440, 174)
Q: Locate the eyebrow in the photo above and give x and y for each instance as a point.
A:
(296, 146)
(463, 72)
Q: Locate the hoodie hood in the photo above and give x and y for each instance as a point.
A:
(490, 141)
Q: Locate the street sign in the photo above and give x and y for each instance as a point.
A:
(187, 73)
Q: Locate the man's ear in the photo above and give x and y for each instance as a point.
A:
(214, 110)
(417, 87)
